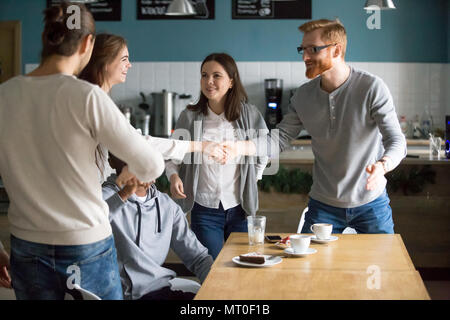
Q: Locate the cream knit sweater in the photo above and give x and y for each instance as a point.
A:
(50, 127)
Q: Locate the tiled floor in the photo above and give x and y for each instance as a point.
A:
(438, 290)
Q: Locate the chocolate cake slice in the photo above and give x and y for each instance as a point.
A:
(252, 257)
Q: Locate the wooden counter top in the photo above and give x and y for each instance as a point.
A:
(409, 142)
(301, 153)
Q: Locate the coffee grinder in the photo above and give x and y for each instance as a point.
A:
(274, 91)
(447, 137)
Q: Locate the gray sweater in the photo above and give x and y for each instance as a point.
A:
(250, 125)
(351, 127)
(143, 234)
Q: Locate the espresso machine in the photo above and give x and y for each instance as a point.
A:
(274, 91)
(162, 121)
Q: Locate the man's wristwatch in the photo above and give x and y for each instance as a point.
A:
(385, 164)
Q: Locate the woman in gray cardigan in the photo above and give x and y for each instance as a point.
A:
(218, 196)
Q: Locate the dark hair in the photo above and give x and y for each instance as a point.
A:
(57, 38)
(116, 163)
(106, 48)
(236, 94)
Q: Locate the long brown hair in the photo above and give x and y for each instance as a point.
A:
(57, 38)
(236, 94)
(106, 48)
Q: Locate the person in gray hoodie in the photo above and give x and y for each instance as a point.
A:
(145, 224)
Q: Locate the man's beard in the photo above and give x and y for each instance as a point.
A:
(319, 67)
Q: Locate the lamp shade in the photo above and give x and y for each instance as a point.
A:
(181, 8)
(379, 5)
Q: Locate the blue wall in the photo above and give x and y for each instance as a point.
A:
(417, 31)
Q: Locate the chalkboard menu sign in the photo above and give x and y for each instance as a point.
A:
(102, 10)
(156, 9)
(268, 9)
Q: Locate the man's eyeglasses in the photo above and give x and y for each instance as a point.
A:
(313, 49)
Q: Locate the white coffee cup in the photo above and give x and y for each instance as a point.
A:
(322, 230)
(299, 243)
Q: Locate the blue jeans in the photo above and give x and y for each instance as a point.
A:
(373, 217)
(47, 272)
(213, 226)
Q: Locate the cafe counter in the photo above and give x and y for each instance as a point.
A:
(300, 153)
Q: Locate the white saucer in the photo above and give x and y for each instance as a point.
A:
(268, 263)
(291, 252)
(331, 239)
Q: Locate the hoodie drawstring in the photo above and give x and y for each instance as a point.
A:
(159, 215)
(138, 237)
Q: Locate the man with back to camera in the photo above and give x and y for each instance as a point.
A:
(355, 135)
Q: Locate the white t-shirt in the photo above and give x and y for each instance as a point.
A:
(50, 127)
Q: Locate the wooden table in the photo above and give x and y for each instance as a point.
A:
(357, 266)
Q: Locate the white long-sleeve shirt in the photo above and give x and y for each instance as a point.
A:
(169, 148)
(50, 127)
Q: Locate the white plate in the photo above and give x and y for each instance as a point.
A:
(282, 245)
(331, 239)
(268, 263)
(291, 252)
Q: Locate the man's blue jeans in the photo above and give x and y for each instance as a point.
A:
(213, 226)
(47, 272)
(373, 217)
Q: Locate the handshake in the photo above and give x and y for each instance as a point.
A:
(225, 151)
(220, 152)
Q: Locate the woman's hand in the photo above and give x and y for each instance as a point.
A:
(176, 187)
(215, 151)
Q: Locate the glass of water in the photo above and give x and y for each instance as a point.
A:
(256, 228)
(435, 147)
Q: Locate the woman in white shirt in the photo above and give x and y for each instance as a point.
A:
(218, 196)
(50, 125)
(107, 67)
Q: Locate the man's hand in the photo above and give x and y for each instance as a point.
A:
(176, 187)
(130, 188)
(5, 279)
(124, 176)
(128, 183)
(234, 149)
(376, 172)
